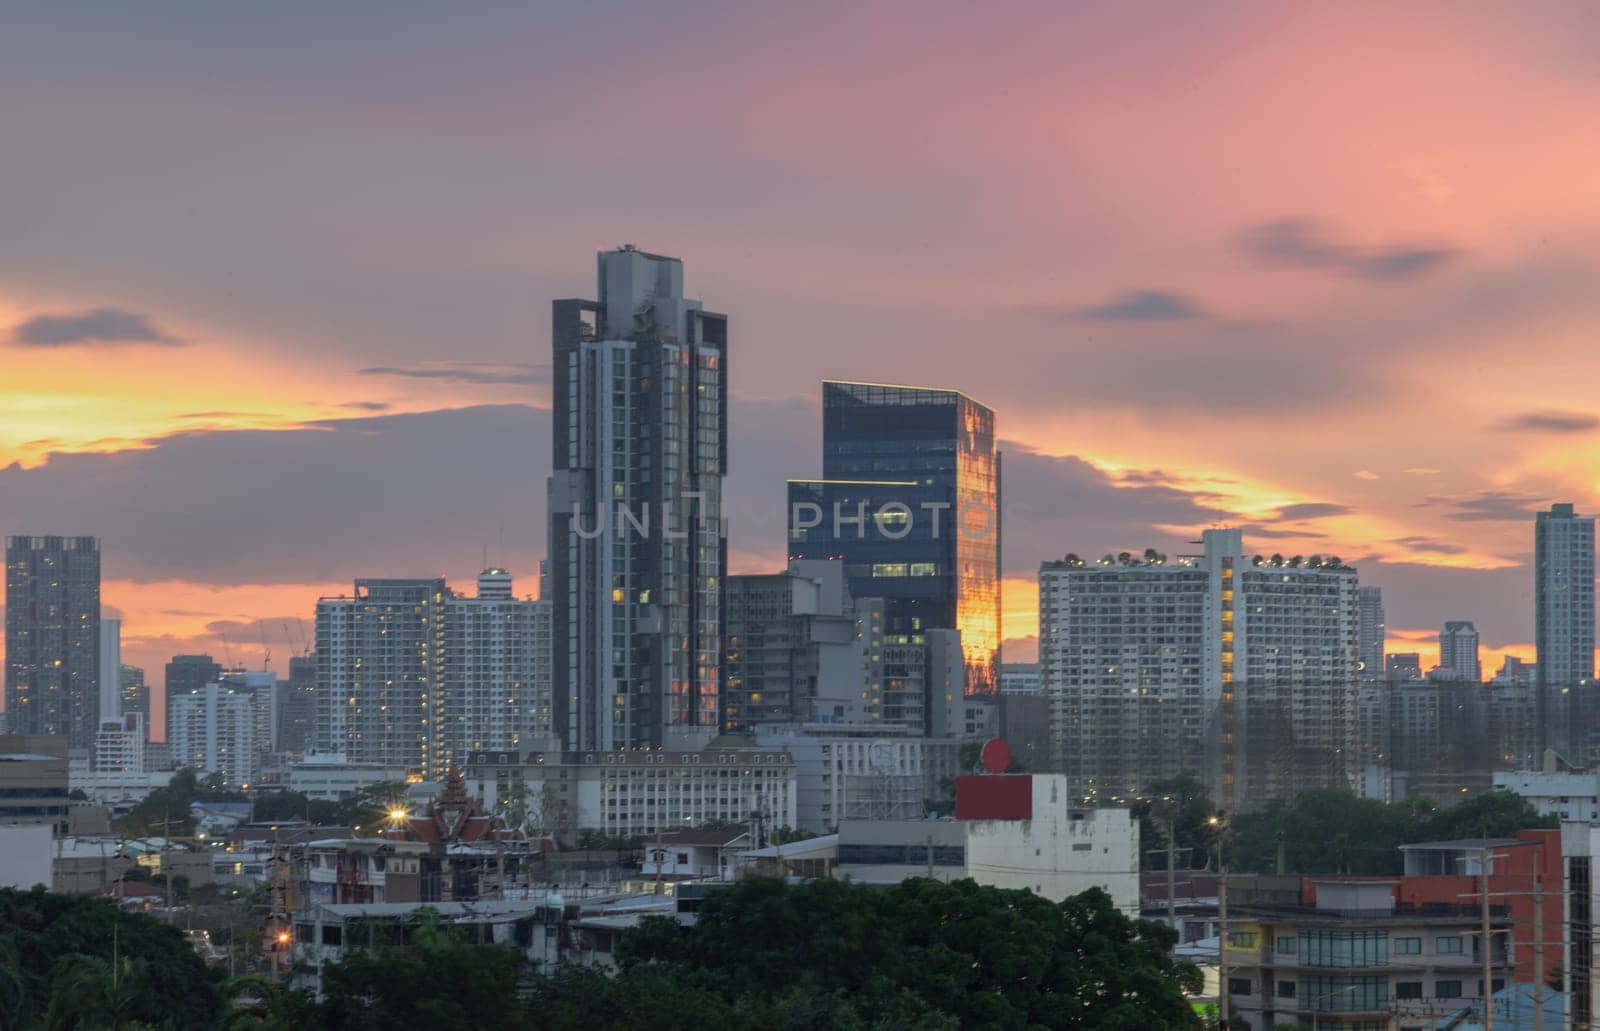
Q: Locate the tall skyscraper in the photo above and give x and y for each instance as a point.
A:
(1370, 632)
(1458, 651)
(637, 557)
(1243, 670)
(53, 637)
(380, 674)
(910, 500)
(1563, 631)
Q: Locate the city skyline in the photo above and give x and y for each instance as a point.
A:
(210, 395)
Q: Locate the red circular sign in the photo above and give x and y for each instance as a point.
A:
(996, 755)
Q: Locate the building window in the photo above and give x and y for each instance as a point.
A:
(1447, 946)
(1408, 989)
(1240, 986)
(1285, 989)
(1447, 990)
(1344, 948)
(1407, 947)
(1243, 939)
(1287, 944)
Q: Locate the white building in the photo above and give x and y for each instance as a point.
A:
(119, 745)
(213, 730)
(624, 794)
(1017, 832)
(1217, 663)
(1570, 796)
(330, 778)
(1072, 849)
(861, 771)
(496, 695)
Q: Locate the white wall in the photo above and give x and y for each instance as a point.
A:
(25, 855)
(1061, 851)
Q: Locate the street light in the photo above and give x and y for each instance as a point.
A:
(1218, 821)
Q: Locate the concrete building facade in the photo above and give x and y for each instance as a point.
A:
(1241, 668)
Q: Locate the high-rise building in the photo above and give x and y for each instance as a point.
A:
(491, 671)
(189, 673)
(1458, 651)
(637, 556)
(910, 500)
(1242, 669)
(297, 723)
(213, 730)
(53, 637)
(380, 674)
(1370, 632)
(1563, 613)
(135, 692)
(789, 633)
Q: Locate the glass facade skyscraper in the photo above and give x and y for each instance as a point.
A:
(909, 499)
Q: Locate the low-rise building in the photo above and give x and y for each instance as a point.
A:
(1011, 831)
(330, 777)
(1350, 955)
(33, 779)
(693, 854)
(640, 792)
(1570, 796)
(862, 771)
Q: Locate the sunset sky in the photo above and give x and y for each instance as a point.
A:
(275, 282)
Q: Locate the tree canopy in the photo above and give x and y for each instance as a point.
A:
(766, 954)
(1328, 831)
(74, 961)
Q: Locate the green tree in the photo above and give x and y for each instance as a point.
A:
(436, 981)
(81, 962)
(1329, 831)
(924, 953)
(1185, 802)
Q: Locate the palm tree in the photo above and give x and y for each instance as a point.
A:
(12, 991)
(86, 992)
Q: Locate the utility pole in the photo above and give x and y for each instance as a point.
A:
(1538, 947)
(1172, 872)
(1222, 942)
(1484, 951)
